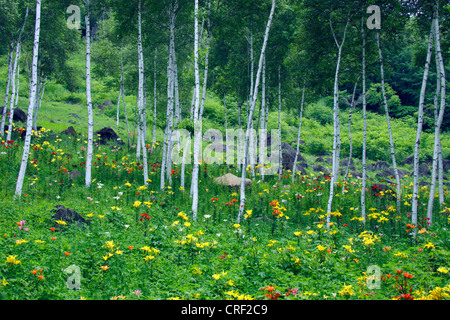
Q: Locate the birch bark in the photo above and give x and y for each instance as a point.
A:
(336, 135)
(419, 130)
(388, 120)
(364, 107)
(142, 119)
(8, 83)
(90, 147)
(440, 117)
(26, 148)
(299, 132)
(252, 109)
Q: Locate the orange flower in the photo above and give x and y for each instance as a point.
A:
(53, 238)
(67, 253)
(104, 267)
(40, 277)
(130, 247)
(34, 272)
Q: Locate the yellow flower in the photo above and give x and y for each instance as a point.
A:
(146, 248)
(216, 276)
(137, 204)
(297, 233)
(12, 259)
(236, 225)
(128, 184)
(20, 241)
(150, 257)
(62, 222)
(443, 270)
(187, 224)
(347, 290)
(4, 282)
(321, 248)
(429, 245)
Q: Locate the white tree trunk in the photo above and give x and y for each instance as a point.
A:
(252, 109)
(141, 105)
(299, 132)
(280, 153)
(364, 107)
(26, 148)
(438, 123)
(350, 154)
(196, 118)
(336, 136)
(122, 89)
(8, 83)
(391, 139)
(419, 130)
(13, 91)
(90, 144)
(263, 132)
(154, 98)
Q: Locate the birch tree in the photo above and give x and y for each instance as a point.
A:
(364, 111)
(90, 140)
(419, 129)
(251, 111)
(336, 135)
(438, 122)
(26, 147)
(297, 152)
(196, 117)
(388, 120)
(141, 111)
(8, 83)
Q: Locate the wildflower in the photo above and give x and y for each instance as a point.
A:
(137, 204)
(347, 290)
(104, 267)
(443, 270)
(67, 253)
(12, 259)
(61, 222)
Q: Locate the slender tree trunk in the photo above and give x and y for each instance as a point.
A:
(38, 106)
(174, 103)
(280, 153)
(414, 203)
(263, 128)
(118, 104)
(391, 139)
(13, 91)
(26, 148)
(350, 154)
(122, 88)
(154, 98)
(90, 145)
(364, 107)
(252, 108)
(438, 123)
(8, 83)
(336, 136)
(142, 113)
(297, 152)
(196, 117)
